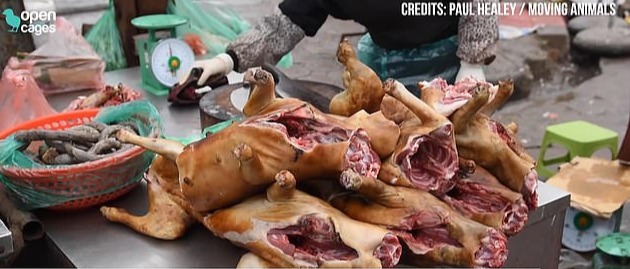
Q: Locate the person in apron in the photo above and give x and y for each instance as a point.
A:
(398, 45)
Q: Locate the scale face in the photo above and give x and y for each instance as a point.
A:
(170, 59)
(581, 230)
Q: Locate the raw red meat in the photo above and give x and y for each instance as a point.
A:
(289, 228)
(494, 146)
(426, 155)
(483, 198)
(434, 233)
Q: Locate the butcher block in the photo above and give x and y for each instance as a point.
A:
(86, 239)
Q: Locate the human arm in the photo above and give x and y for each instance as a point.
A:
(277, 35)
(478, 36)
(273, 37)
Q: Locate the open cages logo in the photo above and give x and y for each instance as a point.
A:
(30, 22)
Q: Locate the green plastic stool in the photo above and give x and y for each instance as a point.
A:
(580, 138)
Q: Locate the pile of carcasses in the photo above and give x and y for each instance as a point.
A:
(385, 178)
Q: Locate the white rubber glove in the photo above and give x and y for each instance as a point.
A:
(468, 70)
(219, 65)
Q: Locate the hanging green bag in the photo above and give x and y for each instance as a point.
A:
(105, 39)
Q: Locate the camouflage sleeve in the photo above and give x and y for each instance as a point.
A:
(478, 36)
(273, 37)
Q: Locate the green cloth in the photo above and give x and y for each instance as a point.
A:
(411, 66)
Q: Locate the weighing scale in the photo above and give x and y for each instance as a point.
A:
(162, 61)
(613, 252)
(581, 230)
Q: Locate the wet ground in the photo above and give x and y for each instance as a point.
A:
(569, 75)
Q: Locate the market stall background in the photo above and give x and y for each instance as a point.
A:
(548, 89)
(599, 97)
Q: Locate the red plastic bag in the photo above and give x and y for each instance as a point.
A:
(66, 62)
(21, 99)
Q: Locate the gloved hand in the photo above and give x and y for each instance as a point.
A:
(219, 65)
(467, 70)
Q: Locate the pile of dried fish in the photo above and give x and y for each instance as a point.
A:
(83, 143)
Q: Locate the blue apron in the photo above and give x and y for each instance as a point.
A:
(411, 66)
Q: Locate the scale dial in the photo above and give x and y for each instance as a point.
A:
(170, 59)
(581, 230)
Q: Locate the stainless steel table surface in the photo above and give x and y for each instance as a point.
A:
(85, 239)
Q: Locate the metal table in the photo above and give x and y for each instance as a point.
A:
(86, 239)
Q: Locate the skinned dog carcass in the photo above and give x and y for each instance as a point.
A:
(242, 159)
(169, 214)
(447, 99)
(283, 227)
(425, 156)
(290, 229)
(363, 87)
(433, 232)
(452, 97)
(493, 146)
(481, 197)
(262, 101)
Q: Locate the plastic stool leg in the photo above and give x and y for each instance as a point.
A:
(613, 151)
(560, 159)
(581, 152)
(543, 150)
(541, 165)
(612, 147)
